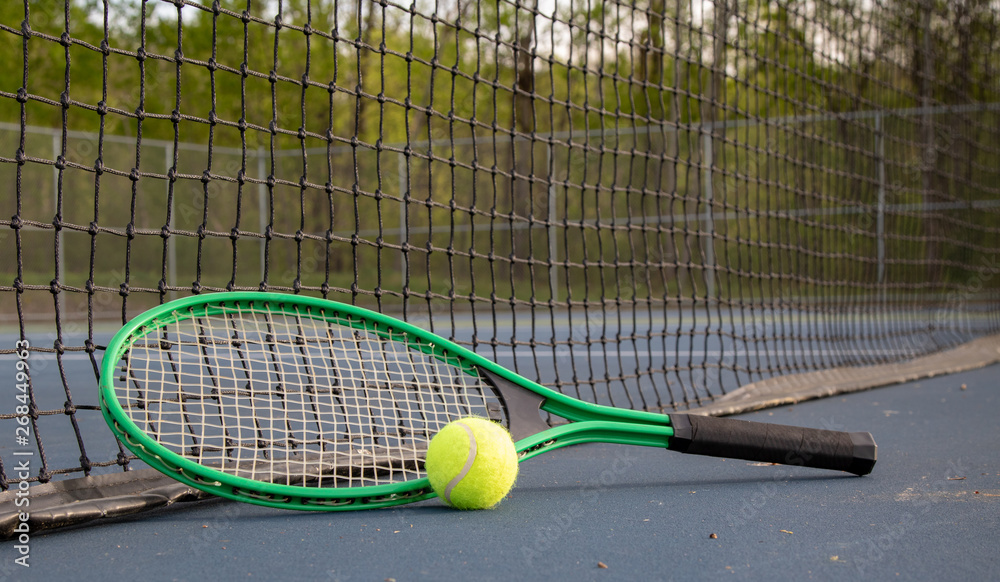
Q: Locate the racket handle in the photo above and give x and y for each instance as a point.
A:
(853, 452)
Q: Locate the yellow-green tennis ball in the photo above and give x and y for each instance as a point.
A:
(471, 463)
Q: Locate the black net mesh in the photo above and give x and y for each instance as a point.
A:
(644, 203)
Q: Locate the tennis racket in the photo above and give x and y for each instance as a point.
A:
(297, 402)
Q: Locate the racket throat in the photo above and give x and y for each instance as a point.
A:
(522, 406)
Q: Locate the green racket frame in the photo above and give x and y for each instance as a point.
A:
(590, 422)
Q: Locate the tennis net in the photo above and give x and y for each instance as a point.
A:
(650, 204)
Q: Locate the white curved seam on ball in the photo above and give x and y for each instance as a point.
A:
(469, 461)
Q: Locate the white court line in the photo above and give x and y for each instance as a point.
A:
(578, 352)
(582, 352)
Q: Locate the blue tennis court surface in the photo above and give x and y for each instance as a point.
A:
(705, 207)
(929, 510)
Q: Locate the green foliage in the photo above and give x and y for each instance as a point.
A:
(612, 133)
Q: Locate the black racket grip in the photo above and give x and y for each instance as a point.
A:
(853, 452)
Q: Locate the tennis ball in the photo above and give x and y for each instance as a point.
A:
(471, 463)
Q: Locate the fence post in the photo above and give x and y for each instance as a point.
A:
(168, 158)
(708, 244)
(262, 205)
(551, 218)
(880, 217)
(403, 210)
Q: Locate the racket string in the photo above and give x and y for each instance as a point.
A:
(295, 397)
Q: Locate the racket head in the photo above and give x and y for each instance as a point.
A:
(237, 394)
